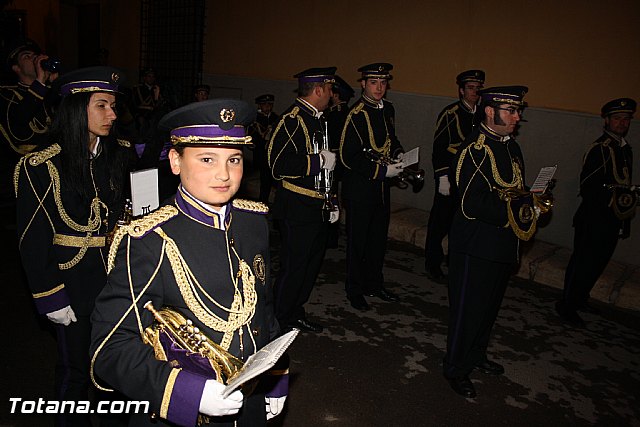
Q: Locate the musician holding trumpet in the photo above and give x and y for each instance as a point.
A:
(608, 204)
(189, 295)
(302, 163)
(367, 144)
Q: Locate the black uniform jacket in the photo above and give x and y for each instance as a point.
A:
(369, 125)
(606, 162)
(261, 131)
(178, 256)
(454, 123)
(24, 116)
(481, 226)
(61, 238)
(295, 165)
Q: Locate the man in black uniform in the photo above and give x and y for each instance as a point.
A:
(260, 131)
(336, 117)
(494, 214)
(604, 216)
(302, 209)
(369, 134)
(454, 123)
(204, 255)
(25, 110)
(68, 198)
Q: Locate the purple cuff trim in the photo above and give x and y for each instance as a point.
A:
(89, 86)
(314, 167)
(208, 131)
(382, 173)
(39, 88)
(279, 385)
(52, 302)
(185, 399)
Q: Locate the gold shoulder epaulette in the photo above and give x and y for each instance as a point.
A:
(124, 143)
(250, 206)
(138, 228)
(294, 112)
(39, 157)
(358, 107)
(141, 226)
(453, 109)
(479, 143)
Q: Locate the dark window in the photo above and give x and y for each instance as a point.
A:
(171, 42)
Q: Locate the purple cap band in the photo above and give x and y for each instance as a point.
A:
(316, 79)
(207, 131)
(87, 86)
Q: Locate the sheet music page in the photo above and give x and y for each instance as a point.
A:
(261, 361)
(144, 191)
(542, 180)
(411, 157)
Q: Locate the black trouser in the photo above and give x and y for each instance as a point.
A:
(476, 289)
(367, 229)
(72, 381)
(301, 255)
(72, 368)
(266, 182)
(594, 242)
(438, 226)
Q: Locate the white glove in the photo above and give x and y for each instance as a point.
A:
(334, 216)
(537, 211)
(329, 159)
(394, 169)
(64, 316)
(400, 157)
(213, 404)
(444, 186)
(274, 405)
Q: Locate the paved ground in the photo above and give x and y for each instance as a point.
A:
(383, 367)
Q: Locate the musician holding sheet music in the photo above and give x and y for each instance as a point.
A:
(204, 255)
(496, 211)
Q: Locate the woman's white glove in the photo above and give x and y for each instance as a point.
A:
(213, 404)
(328, 160)
(64, 316)
(334, 215)
(444, 186)
(274, 405)
(394, 169)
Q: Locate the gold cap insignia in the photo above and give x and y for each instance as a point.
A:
(226, 115)
(115, 77)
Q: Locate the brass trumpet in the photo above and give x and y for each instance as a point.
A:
(409, 175)
(190, 338)
(543, 201)
(324, 180)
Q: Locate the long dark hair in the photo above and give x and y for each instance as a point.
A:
(70, 130)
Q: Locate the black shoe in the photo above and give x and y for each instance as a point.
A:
(436, 275)
(569, 315)
(385, 295)
(490, 368)
(305, 325)
(463, 386)
(588, 308)
(359, 303)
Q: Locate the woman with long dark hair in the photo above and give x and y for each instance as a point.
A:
(69, 196)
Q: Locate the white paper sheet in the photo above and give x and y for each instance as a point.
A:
(144, 191)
